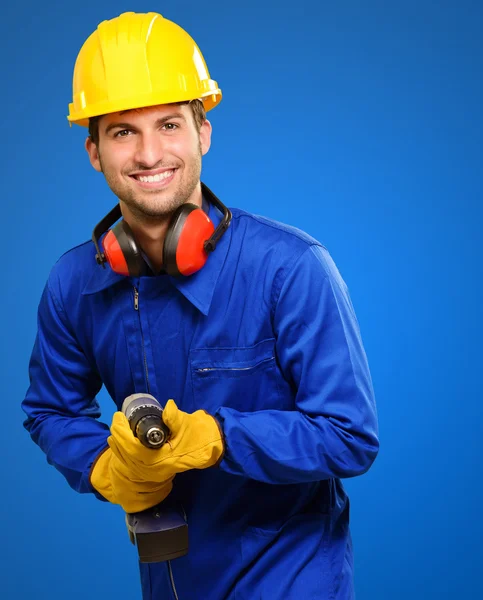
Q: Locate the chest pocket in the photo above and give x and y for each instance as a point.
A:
(246, 379)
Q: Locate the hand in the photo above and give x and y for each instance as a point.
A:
(196, 442)
(113, 479)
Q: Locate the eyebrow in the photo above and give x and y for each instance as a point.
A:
(160, 121)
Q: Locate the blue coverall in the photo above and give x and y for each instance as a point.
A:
(263, 337)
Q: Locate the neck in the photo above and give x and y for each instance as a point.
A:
(150, 232)
(150, 236)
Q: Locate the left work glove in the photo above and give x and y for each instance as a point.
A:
(196, 442)
(113, 480)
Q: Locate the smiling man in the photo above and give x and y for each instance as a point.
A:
(151, 159)
(241, 327)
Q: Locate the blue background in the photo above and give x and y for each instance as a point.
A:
(359, 122)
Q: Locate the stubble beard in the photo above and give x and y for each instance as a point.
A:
(161, 208)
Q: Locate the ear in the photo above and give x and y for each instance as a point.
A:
(205, 136)
(93, 153)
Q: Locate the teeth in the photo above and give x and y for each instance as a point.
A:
(155, 178)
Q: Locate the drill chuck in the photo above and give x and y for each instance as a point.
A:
(144, 414)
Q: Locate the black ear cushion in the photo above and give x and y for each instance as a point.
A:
(130, 249)
(172, 237)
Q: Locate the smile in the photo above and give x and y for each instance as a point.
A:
(154, 180)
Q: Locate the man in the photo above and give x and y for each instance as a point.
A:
(253, 348)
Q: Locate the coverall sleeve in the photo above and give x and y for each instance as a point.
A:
(333, 432)
(60, 404)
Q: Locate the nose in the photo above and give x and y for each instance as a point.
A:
(149, 149)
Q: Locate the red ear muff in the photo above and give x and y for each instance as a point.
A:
(191, 236)
(122, 252)
(184, 251)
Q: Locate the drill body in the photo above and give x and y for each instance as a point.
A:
(160, 533)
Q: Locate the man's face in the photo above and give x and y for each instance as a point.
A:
(151, 157)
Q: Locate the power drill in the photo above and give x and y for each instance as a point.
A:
(161, 532)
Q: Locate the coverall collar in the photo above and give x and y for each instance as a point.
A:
(197, 288)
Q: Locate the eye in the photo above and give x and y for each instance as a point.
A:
(122, 133)
(170, 126)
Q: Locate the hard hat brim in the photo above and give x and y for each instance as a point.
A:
(210, 99)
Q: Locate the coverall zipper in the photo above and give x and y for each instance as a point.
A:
(136, 307)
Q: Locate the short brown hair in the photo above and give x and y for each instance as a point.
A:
(197, 108)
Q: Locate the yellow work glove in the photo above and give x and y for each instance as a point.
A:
(195, 442)
(113, 479)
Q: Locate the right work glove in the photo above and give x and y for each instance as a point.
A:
(196, 442)
(113, 479)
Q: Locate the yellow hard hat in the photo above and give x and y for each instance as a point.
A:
(138, 60)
